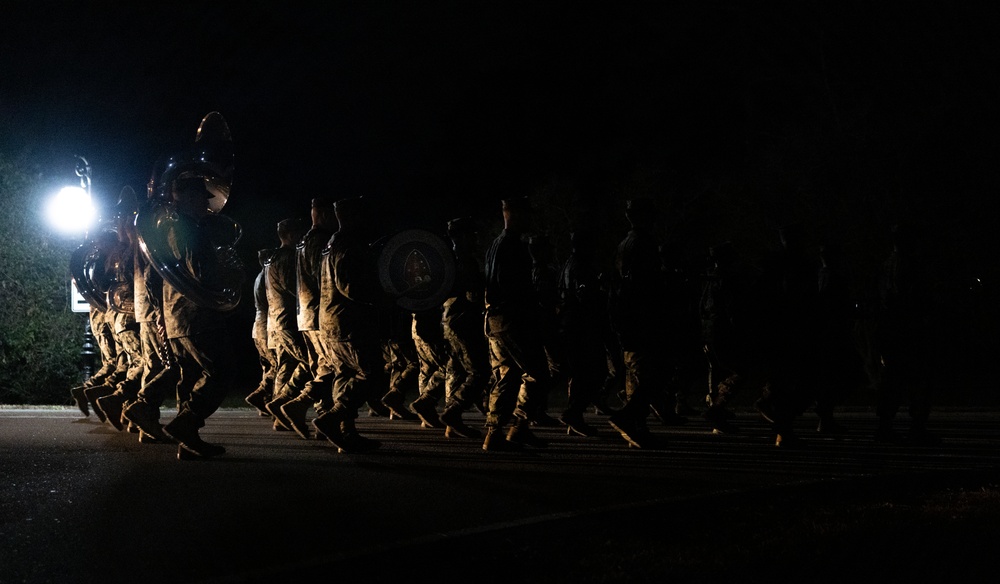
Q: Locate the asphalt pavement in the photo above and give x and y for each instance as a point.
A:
(82, 502)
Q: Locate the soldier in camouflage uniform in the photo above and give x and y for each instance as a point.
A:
(583, 321)
(291, 371)
(352, 304)
(126, 329)
(723, 331)
(907, 313)
(521, 379)
(428, 338)
(545, 277)
(637, 311)
(786, 308)
(467, 372)
(402, 365)
(159, 378)
(101, 382)
(199, 340)
(317, 393)
(264, 392)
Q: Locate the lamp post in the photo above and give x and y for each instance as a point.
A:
(72, 212)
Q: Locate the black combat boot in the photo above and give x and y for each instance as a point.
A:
(294, 412)
(95, 393)
(496, 441)
(427, 412)
(328, 427)
(111, 406)
(454, 426)
(274, 408)
(184, 429)
(147, 418)
(575, 424)
(81, 399)
(394, 401)
(258, 399)
(635, 434)
(521, 433)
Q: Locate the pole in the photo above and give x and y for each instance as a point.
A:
(88, 353)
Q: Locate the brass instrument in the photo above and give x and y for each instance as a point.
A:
(87, 264)
(211, 159)
(121, 298)
(121, 295)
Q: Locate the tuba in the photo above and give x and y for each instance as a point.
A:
(88, 264)
(211, 159)
(120, 297)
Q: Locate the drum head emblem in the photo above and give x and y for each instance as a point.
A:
(417, 268)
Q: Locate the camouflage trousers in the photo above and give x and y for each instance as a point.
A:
(291, 371)
(131, 377)
(467, 369)
(521, 378)
(205, 364)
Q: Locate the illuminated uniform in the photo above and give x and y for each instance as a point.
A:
(291, 368)
(159, 379)
(517, 353)
(308, 270)
(264, 392)
(350, 297)
(467, 371)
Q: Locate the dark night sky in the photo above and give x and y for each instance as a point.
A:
(440, 109)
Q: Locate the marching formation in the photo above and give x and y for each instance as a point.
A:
(506, 332)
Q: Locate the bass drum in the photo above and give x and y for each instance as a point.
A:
(416, 268)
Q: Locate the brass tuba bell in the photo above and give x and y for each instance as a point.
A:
(88, 264)
(211, 160)
(121, 295)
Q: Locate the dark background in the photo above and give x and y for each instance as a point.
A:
(736, 117)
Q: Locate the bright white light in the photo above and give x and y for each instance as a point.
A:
(71, 211)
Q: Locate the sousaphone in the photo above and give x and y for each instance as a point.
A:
(88, 266)
(121, 294)
(211, 159)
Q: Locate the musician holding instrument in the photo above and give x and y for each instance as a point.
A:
(158, 377)
(126, 329)
(95, 283)
(197, 333)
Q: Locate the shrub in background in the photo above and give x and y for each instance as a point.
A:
(40, 337)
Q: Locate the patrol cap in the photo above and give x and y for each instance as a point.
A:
(291, 225)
